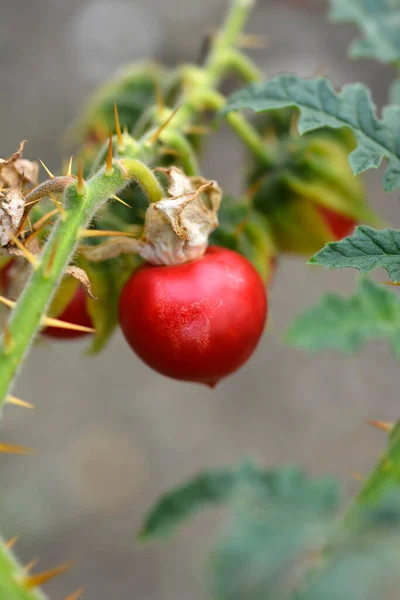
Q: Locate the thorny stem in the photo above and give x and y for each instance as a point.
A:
(14, 584)
(385, 475)
(80, 206)
(25, 319)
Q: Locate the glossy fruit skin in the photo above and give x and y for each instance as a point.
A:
(340, 225)
(199, 321)
(76, 312)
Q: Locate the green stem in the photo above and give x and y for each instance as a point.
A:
(13, 582)
(385, 476)
(243, 65)
(80, 207)
(175, 140)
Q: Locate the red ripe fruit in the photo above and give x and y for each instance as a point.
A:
(75, 312)
(199, 321)
(340, 225)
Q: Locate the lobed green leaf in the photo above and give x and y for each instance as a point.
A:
(366, 249)
(321, 106)
(379, 24)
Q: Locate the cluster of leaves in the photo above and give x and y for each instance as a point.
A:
(281, 539)
(373, 312)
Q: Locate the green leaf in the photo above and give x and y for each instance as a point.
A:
(362, 563)
(366, 249)
(379, 24)
(207, 489)
(321, 106)
(275, 523)
(107, 279)
(345, 324)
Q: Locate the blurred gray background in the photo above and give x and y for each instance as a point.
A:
(110, 434)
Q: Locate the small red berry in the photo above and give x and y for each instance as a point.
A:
(340, 225)
(75, 312)
(198, 321)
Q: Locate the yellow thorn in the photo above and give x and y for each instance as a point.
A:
(120, 140)
(104, 233)
(29, 222)
(8, 340)
(121, 201)
(28, 255)
(18, 402)
(159, 98)
(49, 322)
(49, 173)
(40, 578)
(382, 425)
(250, 41)
(197, 130)
(75, 595)
(57, 203)
(358, 476)
(80, 188)
(50, 264)
(38, 224)
(109, 164)
(13, 449)
(11, 542)
(167, 150)
(397, 283)
(159, 131)
(7, 302)
(31, 565)
(69, 170)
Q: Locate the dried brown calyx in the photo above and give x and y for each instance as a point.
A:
(17, 171)
(176, 229)
(15, 174)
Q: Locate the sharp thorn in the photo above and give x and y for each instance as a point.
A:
(18, 402)
(7, 302)
(49, 173)
(31, 565)
(159, 98)
(121, 201)
(382, 425)
(154, 137)
(8, 339)
(28, 255)
(197, 130)
(40, 578)
(172, 151)
(57, 203)
(109, 164)
(251, 41)
(14, 449)
(38, 224)
(75, 595)
(120, 141)
(81, 187)
(50, 322)
(11, 542)
(358, 476)
(69, 170)
(50, 264)
(84, 233)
